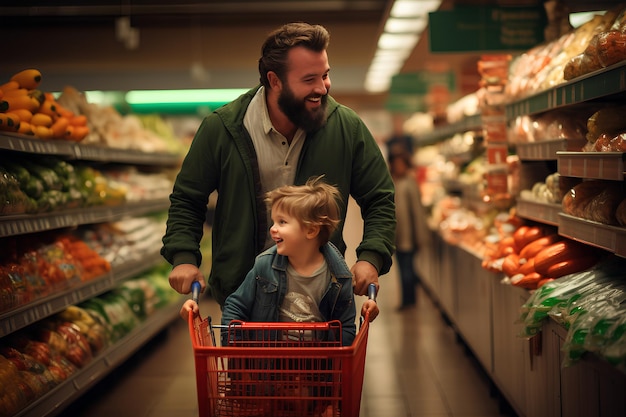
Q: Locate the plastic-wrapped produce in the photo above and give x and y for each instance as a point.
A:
(590, 305)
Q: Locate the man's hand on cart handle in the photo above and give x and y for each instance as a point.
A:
(370, 307)
(363, 274)
(183, 275)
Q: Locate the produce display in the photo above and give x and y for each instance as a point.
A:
(42, 268)
(30, 111)
(47, 184)
(460, 225)
(550, 191)
(34, 267)
(35, 360)
(111, 129)
(125, 241)
(534, 255)
(590, 305)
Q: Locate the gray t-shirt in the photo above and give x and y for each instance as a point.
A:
(304, 294)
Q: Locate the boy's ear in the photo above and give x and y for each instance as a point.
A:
(312, 232)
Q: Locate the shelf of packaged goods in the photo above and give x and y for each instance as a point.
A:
(592, 165)
(467, 124)
(31, 223)
(546, 150)
(610, 238)
(32, 312)
(599, 84)
(71, 150)
(547, 213)
(56, 400)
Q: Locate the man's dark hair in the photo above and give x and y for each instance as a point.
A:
(280, 41)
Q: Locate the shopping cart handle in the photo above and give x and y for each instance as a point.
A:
(195, 291)
(371, 292)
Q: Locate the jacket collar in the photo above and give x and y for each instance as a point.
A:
(333, 257)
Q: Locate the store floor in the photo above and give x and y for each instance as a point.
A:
(415, 366)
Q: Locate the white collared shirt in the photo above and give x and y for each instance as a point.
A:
(277, 158)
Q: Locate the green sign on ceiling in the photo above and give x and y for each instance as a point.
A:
(486, 28)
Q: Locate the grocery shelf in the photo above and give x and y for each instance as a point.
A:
(546, 213)
(546, 150)
(71, 150)
(31, 223)
(598, 84)
(592, 165)
(610, 238)
(36, 310)
(444, 132)
(124, 156)
(53, 402)
(22, 143)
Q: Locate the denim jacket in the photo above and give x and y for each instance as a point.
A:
(261, 294)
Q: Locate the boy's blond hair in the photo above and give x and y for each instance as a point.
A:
(314, 204)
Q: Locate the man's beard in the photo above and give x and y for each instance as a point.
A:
(298, 114)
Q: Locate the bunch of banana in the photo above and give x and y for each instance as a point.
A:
(25, 109)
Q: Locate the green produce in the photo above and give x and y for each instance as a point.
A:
(12, 198)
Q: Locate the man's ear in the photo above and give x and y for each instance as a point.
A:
(275, 82)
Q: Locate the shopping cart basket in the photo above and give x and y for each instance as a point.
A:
(278, 369)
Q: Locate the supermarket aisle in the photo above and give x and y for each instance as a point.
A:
(415, 367)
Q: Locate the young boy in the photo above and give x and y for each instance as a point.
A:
(303, 278)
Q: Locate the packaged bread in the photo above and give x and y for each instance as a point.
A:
(610, 47)
(609, 120)
(602, 208)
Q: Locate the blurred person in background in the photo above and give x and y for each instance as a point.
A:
(409, 216)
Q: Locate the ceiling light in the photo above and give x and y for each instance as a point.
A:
(412, 25)
(406, 21)
(377, 85)
(387, 67)
(397, 41)
(183, 96)
(413, 8)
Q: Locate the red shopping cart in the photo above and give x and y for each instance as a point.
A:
(278, 369)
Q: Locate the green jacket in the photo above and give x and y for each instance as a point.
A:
(222, 158)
